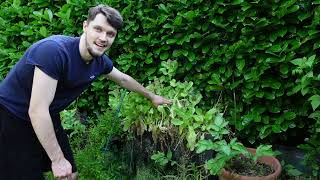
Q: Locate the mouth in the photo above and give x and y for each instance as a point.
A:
(100, 45)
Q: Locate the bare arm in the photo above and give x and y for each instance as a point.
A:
(131, 84)
(43, 91)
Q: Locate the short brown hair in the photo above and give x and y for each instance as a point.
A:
(113, 16)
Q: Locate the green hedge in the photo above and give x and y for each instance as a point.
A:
(260, 55)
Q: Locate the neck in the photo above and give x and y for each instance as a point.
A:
(86, 57)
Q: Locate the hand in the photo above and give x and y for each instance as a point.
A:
(159, 100)
(61, 169)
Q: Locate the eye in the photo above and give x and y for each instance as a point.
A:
(111, 34)
(98, 29)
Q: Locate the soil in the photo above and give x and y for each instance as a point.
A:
(247, 167)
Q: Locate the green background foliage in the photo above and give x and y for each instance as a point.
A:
(260, 55)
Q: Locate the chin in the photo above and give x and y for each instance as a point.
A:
(99, 53)
(95, 54)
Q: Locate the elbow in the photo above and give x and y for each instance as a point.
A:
(35, 111)
(124, 80)
(32, 111)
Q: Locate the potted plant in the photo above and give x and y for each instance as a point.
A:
(232, 158)
(256, 168)
(185, 126)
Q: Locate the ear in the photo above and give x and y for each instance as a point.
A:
(85, 26)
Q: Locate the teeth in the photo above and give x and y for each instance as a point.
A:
(100, 45)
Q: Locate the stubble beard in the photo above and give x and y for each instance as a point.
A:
(90, 50)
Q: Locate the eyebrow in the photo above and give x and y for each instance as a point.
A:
(95, 26)
(110, 30)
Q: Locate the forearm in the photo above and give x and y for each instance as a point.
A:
(43, 127)
(131, 84)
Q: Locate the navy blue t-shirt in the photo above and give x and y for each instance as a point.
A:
(59, 57)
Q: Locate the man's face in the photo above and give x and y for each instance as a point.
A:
(99, 35)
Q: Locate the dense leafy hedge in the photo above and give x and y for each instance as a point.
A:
(260, 55)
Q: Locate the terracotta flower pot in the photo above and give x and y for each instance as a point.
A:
(272, 161)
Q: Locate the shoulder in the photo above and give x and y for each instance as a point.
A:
(57, 41)
(53, 44)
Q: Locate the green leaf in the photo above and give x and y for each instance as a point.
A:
(289, 115)
(294, 90)
(163, 7)
(315, 115)
(316, 45)
(293, 8)
(265, 131)
(218, 120)
(49, 14)
(198, 118)
(226, 149)
(190, 15)
(191, 56)
(245, 6)
(276, 128)
(238, 147)
(171, 41)
(177, 53)
(177, 21)
(305, 91)
(176, 122)
(284, 126)
(316, 2)
(269, 95)
(259, 94)
(191, 138)
(310, 60)
(262, 22)
(215, 165)
(240, 63)
(37, 13)
(284, 69)
(43, 31)
(28, 32)
(215, 79)
(275, 48)
(281, 32)
(279, 120)
(209, 115)
(160, 158)
(204, 145)
(236, 2)
(197, 44)
(26, 44)
(263, 150)
(297, 62)
(294, 172)
(315, 101)
(16, 3)
(273, 83)
(164, 55)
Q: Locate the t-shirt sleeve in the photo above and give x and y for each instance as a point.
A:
(108, 65)
(48, 57)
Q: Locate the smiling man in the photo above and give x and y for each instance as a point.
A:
(52, 73)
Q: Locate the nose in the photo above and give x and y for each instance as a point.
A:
(103, 37)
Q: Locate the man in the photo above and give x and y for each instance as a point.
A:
(51, 74)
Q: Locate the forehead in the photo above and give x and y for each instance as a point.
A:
(101, 20)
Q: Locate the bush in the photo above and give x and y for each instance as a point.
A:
(260, 55)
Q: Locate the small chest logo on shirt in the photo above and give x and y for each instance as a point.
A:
(92, 77)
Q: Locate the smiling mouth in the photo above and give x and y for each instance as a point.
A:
(101, 45)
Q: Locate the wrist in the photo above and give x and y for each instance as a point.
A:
(149, 95)
(57, 157)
